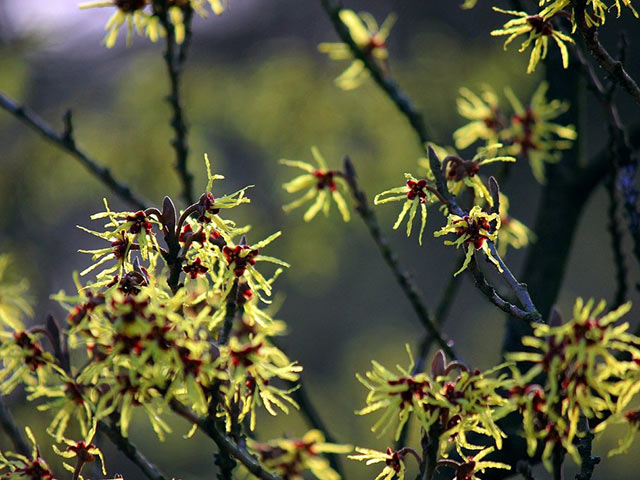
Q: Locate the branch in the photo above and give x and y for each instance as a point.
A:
(131, 452)
(174, 62)
(616, 243)
(589, 462)
(386, 83)
(425, 344)
(225, 443)
(12, 430)
(407, 285)
(490, 292)
(614, 68)
(66, 142)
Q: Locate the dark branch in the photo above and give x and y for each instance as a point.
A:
(66, 142)
(614, 67)
(390, 87)
(12, 430)
(408, 286)
(131, 452)
(174, 61)
(226, 444)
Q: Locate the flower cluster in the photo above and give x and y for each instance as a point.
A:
(582, 376)
(370, 38)
(147, 17)
(527, 132)
(449, 403)
(323, 185)
(177, 312)
(291, 457)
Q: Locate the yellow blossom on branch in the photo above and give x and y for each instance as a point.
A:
(474, 231)
(415, 193)
(291, 457)
(370, 38)
(322, 185)
(539, 30)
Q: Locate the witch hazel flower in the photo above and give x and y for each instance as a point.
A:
(416, 193)
(370, 38)
(474, 231)
(322, 184)
(539, 29)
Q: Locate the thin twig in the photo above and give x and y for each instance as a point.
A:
(616, 242)
(490, 292)
(407, 285)
(442, 310)
(174, 62)
(131, 452)
(225, 443)
(557, 461)
(523, 467)
(620, 149)
(314, 420)
(614, 67)
(12, 430)
(66, 142)
(589, 462)
(384, 81)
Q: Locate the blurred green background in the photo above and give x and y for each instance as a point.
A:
(256, 90)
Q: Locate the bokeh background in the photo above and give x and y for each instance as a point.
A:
(256, 90)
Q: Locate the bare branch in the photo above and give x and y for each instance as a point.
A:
(131, 452)
(66, 142)
(614, 67)
(408, 286)
(225, 443)
(174, 61)
(384, 81)
(12, 430)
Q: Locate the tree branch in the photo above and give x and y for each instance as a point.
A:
(225, 443)
(66, 142)
(12, 430)
(614, 68)
(131, 452)
(408, 286)
(384, 81)
(174, 62)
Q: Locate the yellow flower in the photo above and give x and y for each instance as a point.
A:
(18, 466)
(290, 457)
(252, 367)
(583, 376)
(84, 451)
(595, 13)
(540, 29)
(415, 193)
(472, 464)
(462, 174)
(13, 301)
(533, 135)
(322, 183)
(486, 121)
(370, 38)
(394, 461)
(473, 230)
(129, 12)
